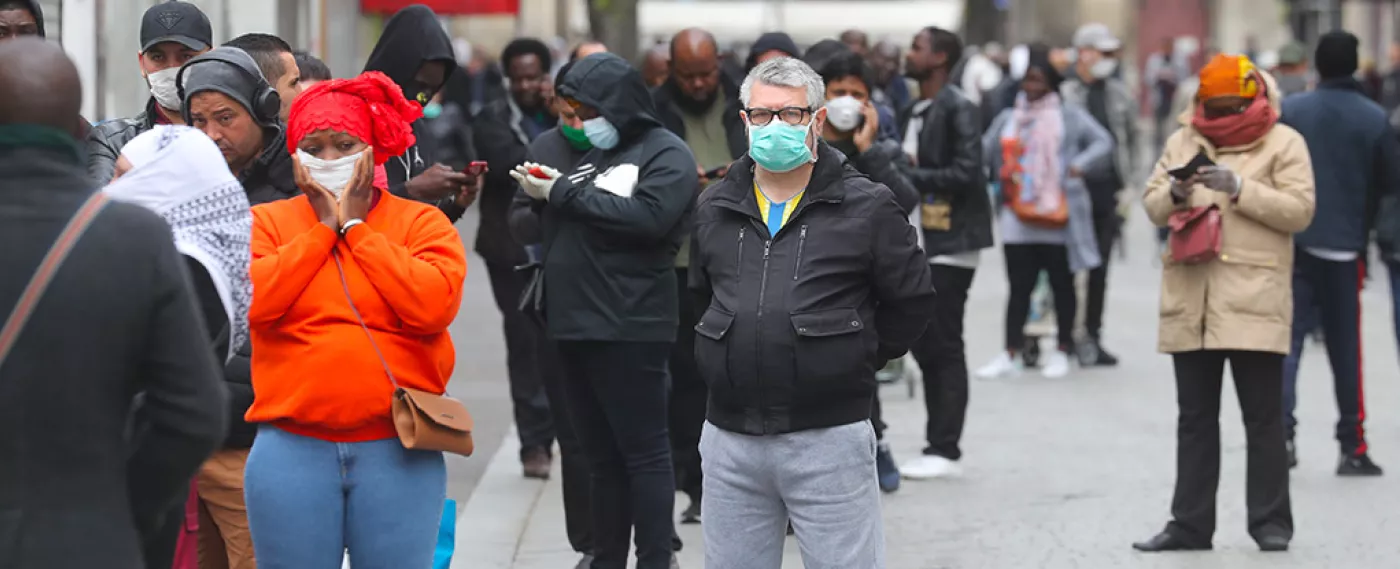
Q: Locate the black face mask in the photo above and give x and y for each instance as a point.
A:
(418, 93)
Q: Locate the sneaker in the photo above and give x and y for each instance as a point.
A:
(930, 466)
(886, 470)
(1091, 353)
(691, 515)
(1358, 465)
(1056, 365)
(1292, 449)
(1004, 365)
(536, 463)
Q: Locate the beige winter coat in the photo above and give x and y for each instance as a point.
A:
(1244, 299)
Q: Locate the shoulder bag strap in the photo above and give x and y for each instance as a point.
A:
(39, 282)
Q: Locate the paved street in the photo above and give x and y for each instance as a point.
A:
(1059, 473)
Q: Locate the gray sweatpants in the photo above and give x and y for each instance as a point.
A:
(823, 480)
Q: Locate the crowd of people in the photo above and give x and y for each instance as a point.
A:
(702, 265)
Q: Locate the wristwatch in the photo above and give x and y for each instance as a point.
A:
(348, 224)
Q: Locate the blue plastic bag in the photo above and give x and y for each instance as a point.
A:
(447, 536)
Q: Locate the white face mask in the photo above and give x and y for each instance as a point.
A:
(1103, 68)
(162, 84)
(334, 175)
(844, 113)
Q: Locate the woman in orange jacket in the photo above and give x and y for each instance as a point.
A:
(350, 284)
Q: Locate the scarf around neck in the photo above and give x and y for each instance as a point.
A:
(179, 173)
(1241, 129)
(1039, 126)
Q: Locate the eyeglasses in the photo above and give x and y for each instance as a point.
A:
(790, 115)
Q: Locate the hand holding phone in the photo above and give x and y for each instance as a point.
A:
(1200, 160)
(476, 168)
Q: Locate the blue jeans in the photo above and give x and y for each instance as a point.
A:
(1328, 293)
(310, 500)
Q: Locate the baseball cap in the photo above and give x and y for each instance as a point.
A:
(1293, 53)
(1097, 37)
(180, 22)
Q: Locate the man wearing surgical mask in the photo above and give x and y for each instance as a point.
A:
(808, 278)
(172, 33)
(1098, 91)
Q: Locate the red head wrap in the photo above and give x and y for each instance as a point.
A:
(370, 107)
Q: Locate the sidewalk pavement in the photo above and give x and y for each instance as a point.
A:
(1058, 473)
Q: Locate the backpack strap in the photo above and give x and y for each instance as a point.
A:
(39, 282)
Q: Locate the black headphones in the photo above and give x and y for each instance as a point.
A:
(267, 104)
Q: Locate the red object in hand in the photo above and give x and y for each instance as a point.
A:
(537, 172)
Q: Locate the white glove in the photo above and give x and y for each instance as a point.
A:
(1221, 179)
(535, 187)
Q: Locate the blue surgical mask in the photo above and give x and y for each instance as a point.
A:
(780, 147)
(601, 133)
(432, 111)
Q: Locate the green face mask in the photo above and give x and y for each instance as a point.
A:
(576, 137)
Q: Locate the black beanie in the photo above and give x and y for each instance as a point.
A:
(1337, 54)
(769, 42)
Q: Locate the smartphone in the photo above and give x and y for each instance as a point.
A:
(1190, 169)
(537, 172)
(476, 168)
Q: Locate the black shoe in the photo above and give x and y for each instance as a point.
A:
(789, 530)
(1292, 449)
(1273, 543)
(1092, 354)
(1358, 465)
(691, 515)
(536, 463)
(885, 469)
(1165, 541)
(586, 562)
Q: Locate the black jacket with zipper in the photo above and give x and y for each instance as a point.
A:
(609, 259)
(949, 168)
(796, 324)
(105, 141)
(503, 143)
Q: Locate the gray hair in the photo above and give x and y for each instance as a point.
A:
(785, 72)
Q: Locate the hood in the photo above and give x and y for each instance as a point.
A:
(768, 42)
(1271, 90)
(608, 83)
(412, 37)
(38, 13)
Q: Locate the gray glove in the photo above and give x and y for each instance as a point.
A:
(1220, 179)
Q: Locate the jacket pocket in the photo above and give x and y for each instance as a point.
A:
(830, 346)
(1252, 283)
(711, 347)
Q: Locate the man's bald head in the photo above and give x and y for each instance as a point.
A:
(39, 85)
(656, 65)
(695, 68)
(692, 43)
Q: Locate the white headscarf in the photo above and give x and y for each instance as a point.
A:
(179, 173)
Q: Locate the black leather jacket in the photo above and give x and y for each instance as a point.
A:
(949, 170)
(105, 142)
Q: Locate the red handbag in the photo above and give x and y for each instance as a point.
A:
(1195, 235)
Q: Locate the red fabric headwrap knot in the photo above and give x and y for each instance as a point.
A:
(370, 107)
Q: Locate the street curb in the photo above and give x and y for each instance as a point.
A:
(492, 522)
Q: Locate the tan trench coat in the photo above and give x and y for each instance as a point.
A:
(1244, 299)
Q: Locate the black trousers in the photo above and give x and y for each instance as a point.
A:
(533, 419)
(1105, 232)
(1023, 266)
(578, 521)
(689, 395)
(1199, 377)
(942, 357)
(616, 393)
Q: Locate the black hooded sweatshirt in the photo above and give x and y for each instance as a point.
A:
(609, 260)
(413, 36)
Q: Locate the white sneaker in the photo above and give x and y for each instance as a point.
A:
(1004, 365)
(1056, 365)
(930, 466)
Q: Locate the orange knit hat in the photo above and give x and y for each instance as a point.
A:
(1228, 76)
